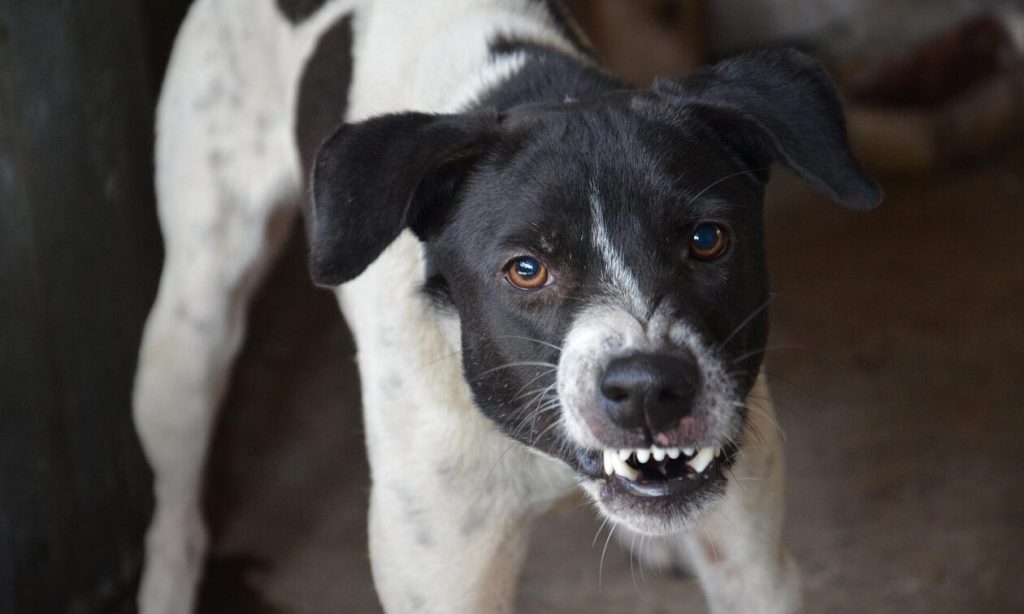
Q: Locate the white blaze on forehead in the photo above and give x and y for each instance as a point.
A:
(621, 279)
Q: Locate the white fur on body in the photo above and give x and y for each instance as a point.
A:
(452, 497)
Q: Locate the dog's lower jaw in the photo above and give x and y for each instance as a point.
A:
(688, 517)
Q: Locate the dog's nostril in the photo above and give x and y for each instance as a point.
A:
(668, 395)
(615, 393)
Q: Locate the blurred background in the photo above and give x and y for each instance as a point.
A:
(898, 364)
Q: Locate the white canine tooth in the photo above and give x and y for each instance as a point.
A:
(658, 454)
(718, 451)
(702, 460)
(624, 470)
(673, 453)
(688, 451)
(625, 454)
(643, 456)
(609, 466)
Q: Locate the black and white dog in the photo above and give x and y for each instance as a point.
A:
(553, 280)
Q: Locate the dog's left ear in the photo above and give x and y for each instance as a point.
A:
(373, 179)
(779, 104)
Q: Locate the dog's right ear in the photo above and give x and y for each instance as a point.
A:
(373, 179)
(779, 104)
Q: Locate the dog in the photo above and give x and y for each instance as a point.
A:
(554, 281)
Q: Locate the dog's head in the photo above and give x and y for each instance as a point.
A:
(604, 258)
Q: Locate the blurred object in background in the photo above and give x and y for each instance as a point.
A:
(953, 96)
(79, 259)
(925, 84)
(642, 39)
(836, 30)
(945, 66)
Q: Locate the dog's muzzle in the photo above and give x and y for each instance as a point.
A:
(654, 415)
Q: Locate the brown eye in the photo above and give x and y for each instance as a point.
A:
(526, 272)
(708, 241)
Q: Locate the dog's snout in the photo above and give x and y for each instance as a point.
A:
(650, 391)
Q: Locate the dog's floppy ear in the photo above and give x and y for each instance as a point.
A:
(373, 179)
(779, 104)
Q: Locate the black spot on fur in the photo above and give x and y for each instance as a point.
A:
(299, 10)
(323, 90)
(417, 518)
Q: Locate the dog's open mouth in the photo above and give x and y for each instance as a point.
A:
(664, 472)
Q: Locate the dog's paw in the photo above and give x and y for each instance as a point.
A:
(176, 545)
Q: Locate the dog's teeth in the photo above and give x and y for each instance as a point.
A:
(703, 458)
(624, 470)
(615, 460)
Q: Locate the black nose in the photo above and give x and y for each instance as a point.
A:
(653, 391)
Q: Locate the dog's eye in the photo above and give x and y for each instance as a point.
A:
(526, 272)
(708, 241)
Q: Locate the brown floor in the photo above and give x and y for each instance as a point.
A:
(899, 385)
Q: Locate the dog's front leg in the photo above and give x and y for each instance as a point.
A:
(450, 511)
(736, 551)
